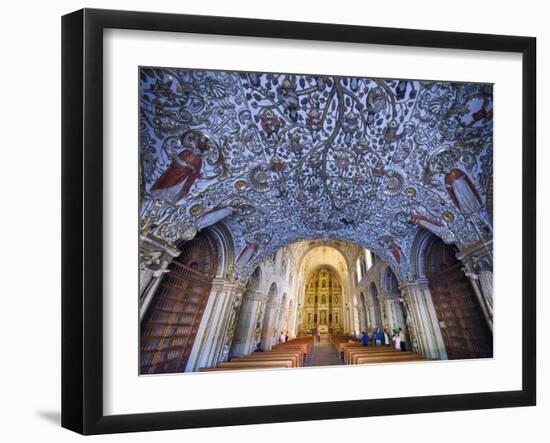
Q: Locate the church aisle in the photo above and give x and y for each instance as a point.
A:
(323, 354)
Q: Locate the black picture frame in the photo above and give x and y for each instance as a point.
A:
(82, 219)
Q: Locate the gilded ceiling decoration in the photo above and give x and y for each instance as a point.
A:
(282, 158)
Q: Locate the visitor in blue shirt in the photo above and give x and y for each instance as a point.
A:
(379, 337)
(364, 339)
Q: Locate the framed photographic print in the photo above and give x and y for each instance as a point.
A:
(270, 221)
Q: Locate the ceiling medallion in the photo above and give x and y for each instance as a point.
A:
(188, 233)
(241, 185)
(410, 192)
(258, 178)
(448, 216)
(394, 183)
(196, 210)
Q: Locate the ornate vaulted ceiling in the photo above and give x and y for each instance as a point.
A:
(282, 158)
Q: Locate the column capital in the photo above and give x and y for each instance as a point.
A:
(148, 241)
(420, 283)
(479, 251)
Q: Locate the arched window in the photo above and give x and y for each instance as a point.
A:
(358, 270)
(368, 256)
(390, 281)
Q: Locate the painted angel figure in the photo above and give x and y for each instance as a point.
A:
(429, 224)
(462, 191)
(175, 183)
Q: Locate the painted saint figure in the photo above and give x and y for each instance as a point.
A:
(462, 191)
(429, 224)
(215, 215)
(396, 251)
(246, 254)
(175, 183)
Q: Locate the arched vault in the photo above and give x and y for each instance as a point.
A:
(283, 158)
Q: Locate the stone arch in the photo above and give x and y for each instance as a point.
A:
(225, 246)
(418, 251)
(255, 281)
(390, 282)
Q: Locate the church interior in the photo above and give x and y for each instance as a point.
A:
(294, 220)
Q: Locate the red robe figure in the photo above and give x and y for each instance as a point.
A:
(462, 191)
(175, 183)
(396, 251)
(482, 113)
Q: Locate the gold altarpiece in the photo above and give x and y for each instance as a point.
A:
(322, 308)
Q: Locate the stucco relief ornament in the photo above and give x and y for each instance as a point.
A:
(152, 261)
(393, 183)
(188, 233)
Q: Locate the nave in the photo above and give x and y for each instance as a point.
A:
(315, 300)
(275, 206)
(308, 352)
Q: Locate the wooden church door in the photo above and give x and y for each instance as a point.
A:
(169, 328)
(464, 328)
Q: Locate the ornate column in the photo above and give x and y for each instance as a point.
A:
(273, 333)
(247, 324)
(427, 333)
(217, 325)
(478, 267)
(394, 314)
(235, 293)
(383, 314)
(376, 322)
(154, 257)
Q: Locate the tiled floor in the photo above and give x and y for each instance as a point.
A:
(323, 354)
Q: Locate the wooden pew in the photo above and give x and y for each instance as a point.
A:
(244, 366)
(256, 364)
(301, 354)
(294, 358)
(389, 359)
(343, 346)
(339, 341)
(305, 347)
(290, 354)
(350, 351)
(353, 358)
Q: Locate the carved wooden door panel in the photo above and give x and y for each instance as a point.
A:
(171, 323)
(463, 326)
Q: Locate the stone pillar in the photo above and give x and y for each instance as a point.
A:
(382, 309)
(362, 319)
(478, 267)
(154, 257)
(375, 320)
(244, 341)
(217, 325)
(425, 330)
(269, 329)
(394, 313)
